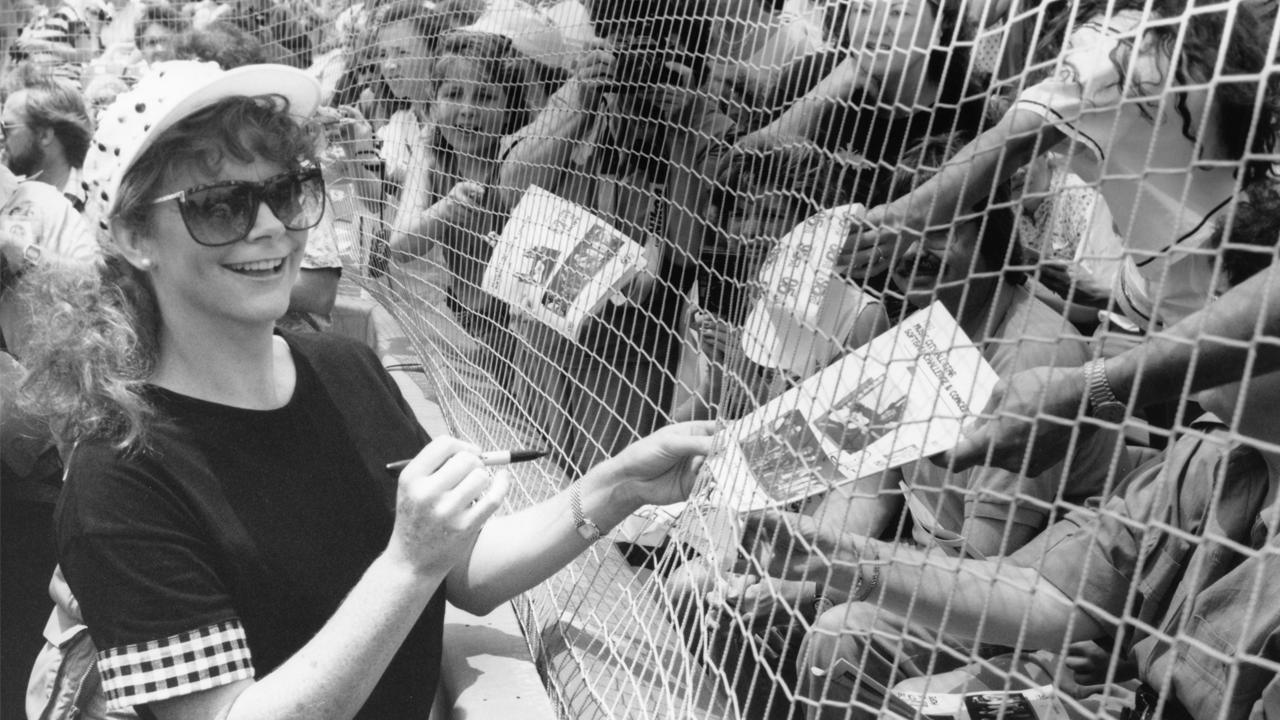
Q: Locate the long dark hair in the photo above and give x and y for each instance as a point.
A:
(1244, 93)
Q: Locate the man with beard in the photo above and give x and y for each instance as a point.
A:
(46, 130)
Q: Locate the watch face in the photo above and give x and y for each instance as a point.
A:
(1112, 412)
(589, 531)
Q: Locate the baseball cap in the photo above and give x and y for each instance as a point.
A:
(164, 96)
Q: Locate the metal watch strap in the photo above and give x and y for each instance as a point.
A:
(1103, 403)
(584, 526)
(1100, 392)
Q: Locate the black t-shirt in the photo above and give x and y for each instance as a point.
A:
(234, 519)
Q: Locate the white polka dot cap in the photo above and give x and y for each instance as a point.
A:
(170, 92)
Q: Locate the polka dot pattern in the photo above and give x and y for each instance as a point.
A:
(170, 92)
(118, 144)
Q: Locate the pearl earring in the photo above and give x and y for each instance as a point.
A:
(145, 263)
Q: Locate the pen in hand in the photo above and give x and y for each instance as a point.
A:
(497, 457)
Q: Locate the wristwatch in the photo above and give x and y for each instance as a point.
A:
(585, 527)
(1103, 404)
(31, 256)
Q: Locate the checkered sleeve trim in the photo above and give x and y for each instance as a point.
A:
(178, 665)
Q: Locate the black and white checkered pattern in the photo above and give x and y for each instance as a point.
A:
(178, 665)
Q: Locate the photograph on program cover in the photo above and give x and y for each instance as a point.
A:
(784, 455)
(596, 248)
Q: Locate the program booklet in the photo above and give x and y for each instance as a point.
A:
(558, 262)
(910, 393)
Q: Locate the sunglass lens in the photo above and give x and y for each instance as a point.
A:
(219, 216)
(297, 199)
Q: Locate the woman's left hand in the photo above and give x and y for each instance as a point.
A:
(660, 469)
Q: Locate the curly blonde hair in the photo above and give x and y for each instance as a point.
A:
(95, 348)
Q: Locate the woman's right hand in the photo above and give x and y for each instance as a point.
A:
(444, 498)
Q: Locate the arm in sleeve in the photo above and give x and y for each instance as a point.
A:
(147, 583)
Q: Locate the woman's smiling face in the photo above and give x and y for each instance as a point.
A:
(245, 283)
(470, 111)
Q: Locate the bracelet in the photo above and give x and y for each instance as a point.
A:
(582, 523)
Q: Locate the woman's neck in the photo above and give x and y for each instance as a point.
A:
(238, 366)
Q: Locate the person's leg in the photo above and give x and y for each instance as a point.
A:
(858, 640)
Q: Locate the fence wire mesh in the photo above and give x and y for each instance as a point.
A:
(850, 232)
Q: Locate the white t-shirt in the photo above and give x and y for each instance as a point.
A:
(1128, 137)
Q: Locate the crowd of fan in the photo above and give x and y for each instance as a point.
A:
(1087, 186)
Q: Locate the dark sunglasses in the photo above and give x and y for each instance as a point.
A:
(222, 213)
